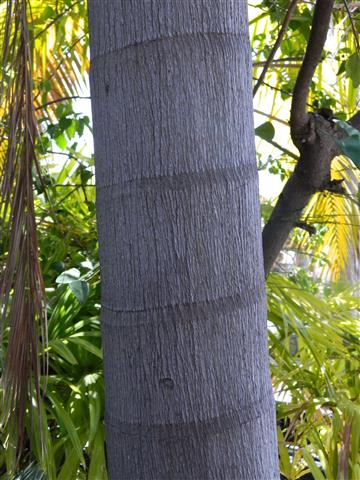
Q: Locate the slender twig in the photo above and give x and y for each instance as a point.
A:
(352, 25)
(278, 60)
(272, 87)
(62, 99)
(272, 117)
(277, 44)
(350, 5)
(286, 65)
(73, 185)
(282, 149)
(280, 90)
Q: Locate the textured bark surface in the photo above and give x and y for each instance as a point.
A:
(188, 393)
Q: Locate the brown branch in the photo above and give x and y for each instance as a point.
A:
(284, 217)
(314, 136)
(315, 46)
(311, 175)
(277, 44)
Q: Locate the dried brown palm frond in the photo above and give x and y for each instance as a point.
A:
(21, 284)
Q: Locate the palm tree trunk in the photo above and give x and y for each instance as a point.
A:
(188, 393)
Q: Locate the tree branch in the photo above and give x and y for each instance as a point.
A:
(314, 136)
(311, 175)
(319, 29)
(285, 215)
(277, 44)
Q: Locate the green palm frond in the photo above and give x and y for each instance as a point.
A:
(60, 49)
(315, 360)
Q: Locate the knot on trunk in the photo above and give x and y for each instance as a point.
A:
(317, 146)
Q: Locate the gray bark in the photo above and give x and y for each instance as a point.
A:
(188, 392)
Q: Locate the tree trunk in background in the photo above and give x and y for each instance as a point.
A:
(188, 393)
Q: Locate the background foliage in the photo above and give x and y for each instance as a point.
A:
(313, 293)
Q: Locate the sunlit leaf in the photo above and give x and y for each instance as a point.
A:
(68, 276)
(352, 68)
(265, 131)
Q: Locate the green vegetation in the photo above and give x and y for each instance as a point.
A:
(313, 292)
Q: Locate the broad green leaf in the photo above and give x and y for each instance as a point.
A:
(60, 141)
(48, 13)
(65, 123)
(349, 129)
(57, 266)
(350, 146)
(71, 130)
(265, 130)
(68, 276)
(352, 68)
(80, 289)
(85, 175)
